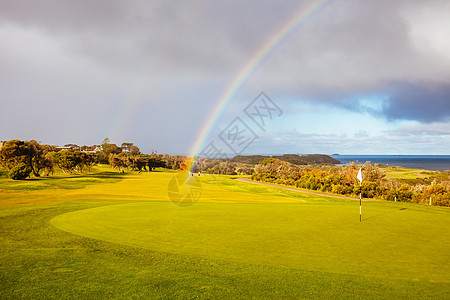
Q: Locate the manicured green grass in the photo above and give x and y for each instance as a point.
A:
(406, 173)
(120, 237)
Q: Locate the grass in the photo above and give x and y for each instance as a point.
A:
(62, 181)
(407, 173)
(120, 237)
(416, 176)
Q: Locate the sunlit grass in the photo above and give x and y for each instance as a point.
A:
(406, 173)
(119, 236)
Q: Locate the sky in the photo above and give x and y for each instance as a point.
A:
(350, 77)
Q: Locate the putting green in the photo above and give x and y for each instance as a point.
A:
(395, 240)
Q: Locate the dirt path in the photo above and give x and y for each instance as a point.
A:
(300, 190)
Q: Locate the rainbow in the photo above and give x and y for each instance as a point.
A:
(251, 66)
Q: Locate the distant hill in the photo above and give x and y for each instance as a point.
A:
(295, 159)
(249, 159)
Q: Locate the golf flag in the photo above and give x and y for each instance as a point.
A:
(359, 175)
(360, 193)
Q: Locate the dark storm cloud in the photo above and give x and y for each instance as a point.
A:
(422, 102)
(355, 49)
(198, 35)
(345, 44)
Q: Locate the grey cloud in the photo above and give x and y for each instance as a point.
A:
(209, 36)
(94, 52)
(425, 102)
(355, 50)
(422, 102)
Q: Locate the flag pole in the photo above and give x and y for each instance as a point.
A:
(359, 176)
(360, 201)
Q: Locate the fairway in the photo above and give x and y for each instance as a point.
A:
(121, 236)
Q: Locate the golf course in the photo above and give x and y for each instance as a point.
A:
(106, 234)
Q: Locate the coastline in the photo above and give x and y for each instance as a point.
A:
(425, 162)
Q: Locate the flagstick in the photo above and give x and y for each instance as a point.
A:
(360, 192)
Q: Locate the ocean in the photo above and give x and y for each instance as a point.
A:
(427, 162)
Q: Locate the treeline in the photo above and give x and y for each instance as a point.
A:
(296, 159)
(134, 160)
(148, 162)
(223, 166)
(22, 159)
(245, 164)
(342, 181)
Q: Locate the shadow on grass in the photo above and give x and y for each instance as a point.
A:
(157, 170)
(69, 181)
(385, 213)
(74, 176)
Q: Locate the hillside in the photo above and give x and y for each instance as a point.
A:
(295, 159)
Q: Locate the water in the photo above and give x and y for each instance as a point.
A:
(427, 162)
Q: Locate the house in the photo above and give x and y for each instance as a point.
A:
(92, 149)
(126, 147)
(68, 147)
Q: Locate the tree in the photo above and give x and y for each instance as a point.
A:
(14, 152)
(128, 161)
(106, 146)
(16, 156)
(30, 153)
(37, 157)
(155, 163)
(141, 162)
(115, 149)
(49, 163)
(109, 148)
(67, 160)
(172, 161)
(20, 171)
(117, 160)
(134, 150)
(101, 158)
(114, 161)
(87, 160)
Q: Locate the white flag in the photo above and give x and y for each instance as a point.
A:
(359, 175)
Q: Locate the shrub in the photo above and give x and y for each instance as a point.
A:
(392, 195)
(369, 189)
(404, 193)
(3, 172)
(338, 189)
(442, 200)
(19, 172)
(437, 192)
